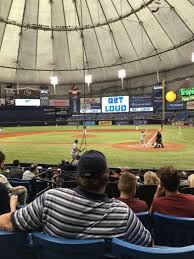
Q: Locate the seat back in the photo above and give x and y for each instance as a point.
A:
(47, 247)
(15, 245)
(41, 186)
(145, 219)
(173, 231)
(29, 184)
(112, 190)
(188, 190)
(146, 193)
(124, 250)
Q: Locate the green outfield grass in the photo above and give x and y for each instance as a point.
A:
(51, 147)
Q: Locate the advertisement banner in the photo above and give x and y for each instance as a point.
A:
(177, 105)
(190, 105)
(27, 93)
(157, 98)
(115, 104)
(90, 105)
(58, 102)
(141, 103)
(105, 123)
(74, 100)
(27, 102)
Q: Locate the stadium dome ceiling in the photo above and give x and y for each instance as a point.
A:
(98, 36)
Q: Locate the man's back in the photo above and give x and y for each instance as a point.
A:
(28, 175)
(81, 215)
(180, 205)
(15, 172)
(135, 204)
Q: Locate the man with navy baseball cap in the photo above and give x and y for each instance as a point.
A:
(83, 213)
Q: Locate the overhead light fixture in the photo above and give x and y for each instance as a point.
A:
(54, 82)
(122, 75)
(88, 80)
(192, 57)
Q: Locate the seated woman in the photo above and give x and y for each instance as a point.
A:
(127, 187)
(151, 178)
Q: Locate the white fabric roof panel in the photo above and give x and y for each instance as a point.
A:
(100, 36)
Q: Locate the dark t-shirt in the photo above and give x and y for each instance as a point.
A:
(179, 205)
(15, 173)
(135, 204)
(4, 199)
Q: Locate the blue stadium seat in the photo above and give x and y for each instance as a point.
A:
(126, 250)
(112, 190)
(146, 193)
(187, 190)
(29, 184)
(15, 245)
(47, 247)
(173, 231)
(145, 219)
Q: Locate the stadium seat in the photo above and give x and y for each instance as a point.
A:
(41, 186)
(146, 193)
(29, 184)
(15, 246)
(112, 190)
(145, 219)
(188, 190)
(124, 250)
(172, 231)
(47, 247)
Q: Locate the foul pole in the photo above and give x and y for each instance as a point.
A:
(163, 101)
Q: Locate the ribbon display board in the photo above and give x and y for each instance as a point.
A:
(74, 101)
(157, 98)
(44, 98)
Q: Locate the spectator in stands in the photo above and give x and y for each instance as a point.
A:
(7, 203)
(167, 198)
(116, 174)
(4, 198)
(16, 171)
(191, 180)
(63, 166)
(82, 213)
(31, 173)
(183, 179)
(18, 190)
(151, 178)
(127, 187)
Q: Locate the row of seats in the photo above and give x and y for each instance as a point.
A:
(37, 186)
(170, 231)
(34, 187)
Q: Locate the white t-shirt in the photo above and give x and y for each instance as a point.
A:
(4, 180)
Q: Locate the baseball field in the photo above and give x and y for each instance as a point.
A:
(120, 144)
